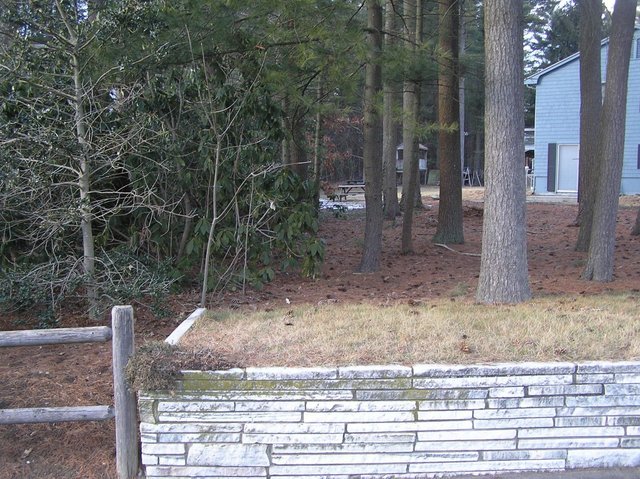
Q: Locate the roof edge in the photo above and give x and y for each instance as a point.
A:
(535, 78)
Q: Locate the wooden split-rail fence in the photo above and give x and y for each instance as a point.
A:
(124, 408)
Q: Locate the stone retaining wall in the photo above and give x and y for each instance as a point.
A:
(393, 421)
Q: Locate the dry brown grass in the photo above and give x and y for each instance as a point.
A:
(603, 327)
(630, 200)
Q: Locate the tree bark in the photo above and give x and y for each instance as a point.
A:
(600, 260)
(214, 223)
(298, 158)
(84, 167)
(317, 144)
(590, 115)
(461, 81)
(449, 229)
(390, 127)
(373, 143)
(409, 123)
(84, 184)
(503, 267)
(294, 148)
(418, 102)
(635, 231)
(188, 227)
(286, 141)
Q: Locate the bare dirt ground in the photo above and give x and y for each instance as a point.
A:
(81, 375)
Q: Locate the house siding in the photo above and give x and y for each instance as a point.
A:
(558, 119)
(630, 171)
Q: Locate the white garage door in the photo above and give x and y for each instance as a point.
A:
(567, 171)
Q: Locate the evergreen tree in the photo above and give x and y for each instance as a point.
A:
(373, 143)
(503, 267)
(600, 260)
(449, 228)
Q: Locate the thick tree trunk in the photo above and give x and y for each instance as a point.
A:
(298, 158)
(418, 102)
(461, 82)
(503, 268)
(590, 114)
(409, 123)
(373, 143)
(294, 148)
(389, 145)
(409, 165)
(600, 260)
(390, 128)
(462, 44)
(449, 228)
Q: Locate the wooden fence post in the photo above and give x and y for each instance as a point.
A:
(125, 399)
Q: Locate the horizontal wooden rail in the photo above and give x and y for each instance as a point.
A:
(39, 337)
(124, 410)
(56, 414)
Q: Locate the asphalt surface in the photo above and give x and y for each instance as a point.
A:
(618, 473)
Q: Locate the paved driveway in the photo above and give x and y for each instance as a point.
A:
(626, 473)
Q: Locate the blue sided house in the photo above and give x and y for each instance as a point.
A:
(557, 132)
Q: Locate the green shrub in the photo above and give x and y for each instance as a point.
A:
(121, 278)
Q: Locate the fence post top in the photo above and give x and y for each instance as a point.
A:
(121, 308)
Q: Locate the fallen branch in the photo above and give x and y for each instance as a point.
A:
(459, 252)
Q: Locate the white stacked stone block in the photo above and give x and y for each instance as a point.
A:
(380, 422)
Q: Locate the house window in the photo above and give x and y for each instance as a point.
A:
(637, 47)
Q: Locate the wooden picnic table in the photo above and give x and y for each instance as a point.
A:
(351, 187)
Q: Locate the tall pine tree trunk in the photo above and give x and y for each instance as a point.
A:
(503, 266)
(410, 175)
(298, 158)
(294, 145)
(590, 115)
(390, 126)
(600, 260)
(317, 144)
(373, 142)
(449, 228)
(418, 102)
(389, 145)
(461, 81)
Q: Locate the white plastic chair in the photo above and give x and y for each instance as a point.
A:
(466, 176)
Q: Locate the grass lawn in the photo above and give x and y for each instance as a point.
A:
(450, 330)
